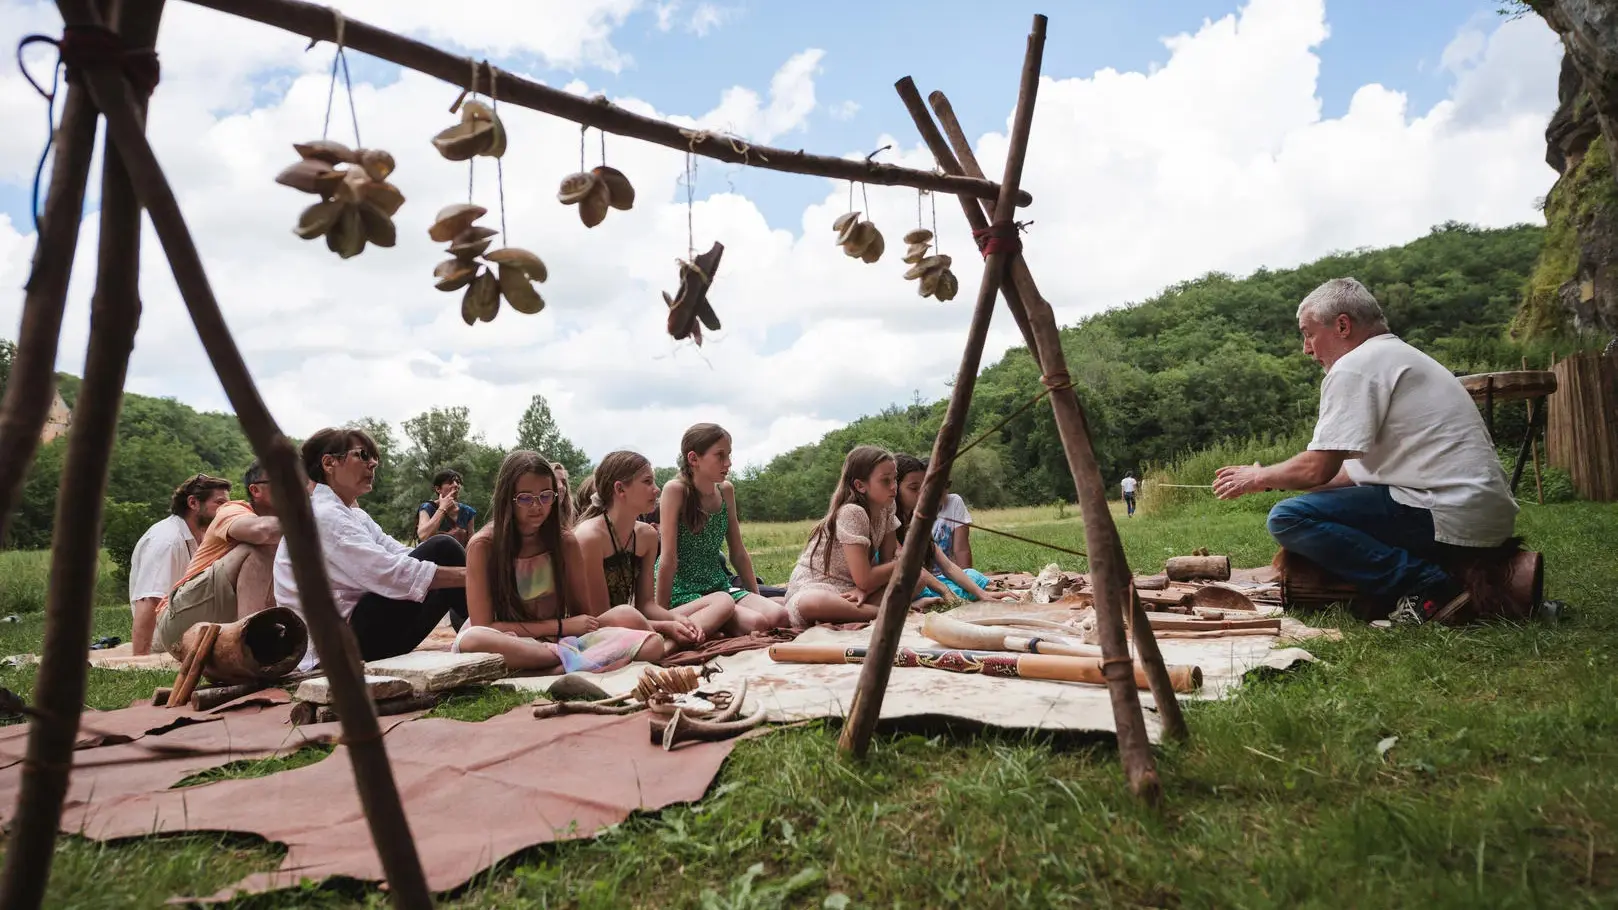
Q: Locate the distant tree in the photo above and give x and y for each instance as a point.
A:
(8, 353)
(539, 432)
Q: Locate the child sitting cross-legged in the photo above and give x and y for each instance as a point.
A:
(526, 585)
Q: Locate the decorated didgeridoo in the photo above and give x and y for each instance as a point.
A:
(988, 663)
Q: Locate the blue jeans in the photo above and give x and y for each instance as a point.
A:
(1362, 536)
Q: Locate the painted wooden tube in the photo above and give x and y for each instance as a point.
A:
(1059, 668)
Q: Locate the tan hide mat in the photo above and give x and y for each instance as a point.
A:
(474, 793)
(792, 692)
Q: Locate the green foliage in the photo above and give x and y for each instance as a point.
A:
(1585, 197)
(538, 432)
(23, 582)
(439, 438)
(8, 353)
(122, 526)
(1205, 361)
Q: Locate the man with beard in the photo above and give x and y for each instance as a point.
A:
(229, 576)
(162, 554)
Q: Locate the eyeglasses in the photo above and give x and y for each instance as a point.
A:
(531, 500)
(360, 454)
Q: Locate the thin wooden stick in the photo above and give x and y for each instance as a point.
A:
(30, 388)
(867, 705)
(76, 543)
(1109, 570)
(319, 24)
(333, 641)
(191, 673)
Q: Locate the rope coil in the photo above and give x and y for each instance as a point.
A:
(1000, 237)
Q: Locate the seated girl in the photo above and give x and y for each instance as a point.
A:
(620, 555)
(837, 572)
(956, 582)
(525, 581)
(698, 510)
(390, 595)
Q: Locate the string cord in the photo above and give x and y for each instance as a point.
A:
(341, 59)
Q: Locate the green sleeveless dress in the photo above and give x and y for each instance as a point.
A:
(702, 564)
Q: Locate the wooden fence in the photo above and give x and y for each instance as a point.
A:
(1581, 429)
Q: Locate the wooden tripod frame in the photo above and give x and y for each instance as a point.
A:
(133, 180)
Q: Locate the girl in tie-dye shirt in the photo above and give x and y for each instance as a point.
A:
(525, 592)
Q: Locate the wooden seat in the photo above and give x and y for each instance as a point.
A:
(1512, 385)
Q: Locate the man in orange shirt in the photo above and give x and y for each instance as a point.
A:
(229, 578)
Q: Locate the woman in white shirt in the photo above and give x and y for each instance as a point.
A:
(390, 595)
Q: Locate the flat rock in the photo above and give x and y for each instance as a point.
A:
(380, 688)
(439, 671)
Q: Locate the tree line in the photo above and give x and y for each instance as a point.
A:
(1205, 361)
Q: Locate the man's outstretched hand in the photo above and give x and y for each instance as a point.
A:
(1238, 480)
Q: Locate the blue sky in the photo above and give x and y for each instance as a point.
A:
(971, 51)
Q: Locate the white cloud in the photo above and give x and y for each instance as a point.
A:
(665, 14)
(707, 17)
(844, 110)
(1218, 159)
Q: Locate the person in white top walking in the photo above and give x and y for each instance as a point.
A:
(1401, 465)
(1129, 483)
(162, 554)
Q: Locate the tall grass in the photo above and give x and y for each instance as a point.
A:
(24, 575)
(1199, 468)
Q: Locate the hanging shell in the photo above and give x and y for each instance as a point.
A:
(326, 150)
(377, 163)
(454, 274)
(849, 229)
(465, 140)
(620, 192)
(453, 219)
(475, 232)
(919, 235)
(482, 298)
(843, 222)
(874, 249)
(521, 259)
(317, 219)
(346, 237)
(519, 291)
(936, 280)
(469, 250)
(311, 175)
(575, 187)
(593, 207)
(916, 252)
(379, 228)
(385, 196)
(947, 286)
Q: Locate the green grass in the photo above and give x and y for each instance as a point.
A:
(23, 577)
(1498, 790)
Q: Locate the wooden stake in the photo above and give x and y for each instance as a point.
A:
(30, 388)
(1539, 483)
(318, 23)
(1023, 297)
(1109, 574)
(867, 704)
(76, 542)
(191, 670)
(333, 641)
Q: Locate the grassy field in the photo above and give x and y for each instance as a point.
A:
(1432, 768)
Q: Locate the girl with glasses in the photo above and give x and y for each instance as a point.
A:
(526, 585)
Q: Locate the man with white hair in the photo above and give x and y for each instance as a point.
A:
(1400, 467)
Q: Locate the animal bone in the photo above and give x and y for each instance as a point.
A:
(683, 729)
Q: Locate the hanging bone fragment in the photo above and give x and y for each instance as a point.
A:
(937, 281)
(357, 203)
(859, 239)
(690, 306)
(509, 272)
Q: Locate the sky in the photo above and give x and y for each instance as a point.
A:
(1170, 139)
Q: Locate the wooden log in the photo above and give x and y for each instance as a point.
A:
(1187, 568)
(1169, 623)
(866, 708)
(324, 714)
(333, 641)
(32, 382)
(317, 22)
(1109, 568)
(209, 698)
(76, 544)
(988, 663)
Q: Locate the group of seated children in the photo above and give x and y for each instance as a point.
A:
(555, 592)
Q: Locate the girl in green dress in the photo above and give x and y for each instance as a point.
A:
(698, 510)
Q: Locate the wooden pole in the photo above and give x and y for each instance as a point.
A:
(1109, 570)
(33, 372)
(319, 24)
(867, 704)
(1539, 483)
(76, 543)
(331, 637)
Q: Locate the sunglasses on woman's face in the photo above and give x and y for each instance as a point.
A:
(534, 500)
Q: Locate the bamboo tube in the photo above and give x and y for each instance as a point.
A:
(76, 544)
(988, 663)
(1109, 569)
(317, 22)
(867, 705)
(333, 641)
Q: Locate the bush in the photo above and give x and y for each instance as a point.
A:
(123, 523)
(1556, 482)
(25, 577)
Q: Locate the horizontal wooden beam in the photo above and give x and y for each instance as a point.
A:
(319, 23)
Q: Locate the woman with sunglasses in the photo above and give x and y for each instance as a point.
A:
(391, 596)
(526, 587)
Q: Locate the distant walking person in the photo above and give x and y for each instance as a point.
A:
(1129, 485)
(163, 553)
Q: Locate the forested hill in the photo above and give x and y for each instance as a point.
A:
(1206, 360)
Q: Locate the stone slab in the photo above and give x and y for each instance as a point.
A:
(318, 690)
(439, 671)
